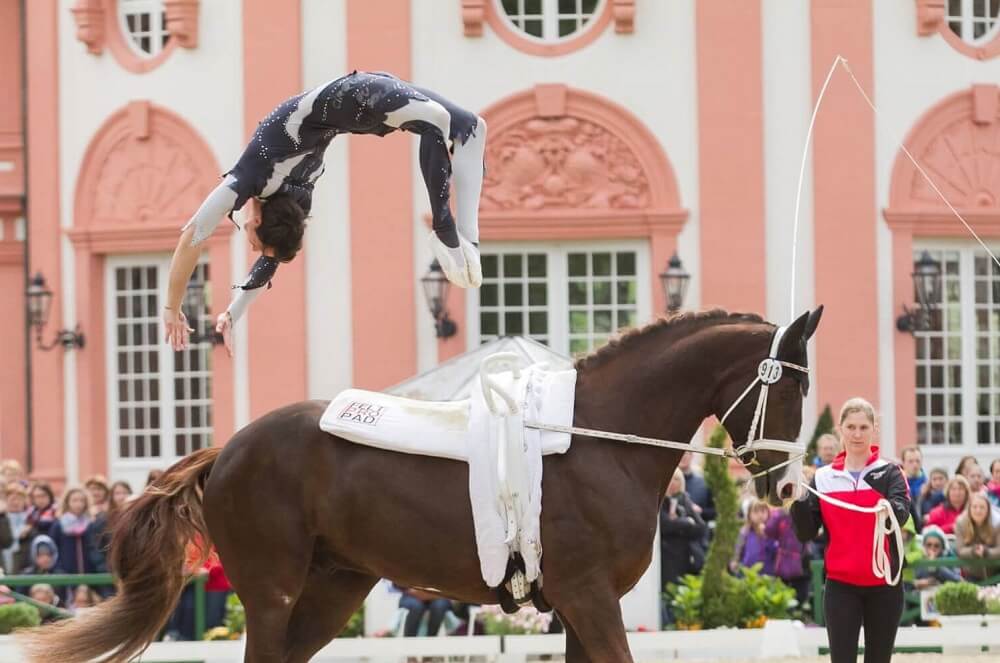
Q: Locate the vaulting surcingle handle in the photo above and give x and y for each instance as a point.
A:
(499, 363)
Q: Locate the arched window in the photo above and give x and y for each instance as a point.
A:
(550, 20)
(974, 21)
(144, 25)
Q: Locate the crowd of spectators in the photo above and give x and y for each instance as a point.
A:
(44, 534)
(954, 515)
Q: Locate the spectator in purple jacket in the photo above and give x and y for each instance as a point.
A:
(752, 546)
(788, 552)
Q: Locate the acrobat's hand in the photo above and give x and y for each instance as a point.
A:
(176, 327)
(460, 264)
(224, 326)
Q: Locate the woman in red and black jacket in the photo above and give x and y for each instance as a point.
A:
(854, 595)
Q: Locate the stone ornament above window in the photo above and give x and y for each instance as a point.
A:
(558, 150)
(547, 27)
(562, 163)
(139, 43)
(971, 27)
(144, 166)
(954, 143)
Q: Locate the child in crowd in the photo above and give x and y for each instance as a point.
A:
(993, 487)
(753, 546)
(44, 593)
(935, 546)
(932, 492)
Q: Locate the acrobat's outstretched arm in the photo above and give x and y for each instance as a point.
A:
(260, 276)
(216, 206)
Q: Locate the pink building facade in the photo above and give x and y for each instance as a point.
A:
(621, 132)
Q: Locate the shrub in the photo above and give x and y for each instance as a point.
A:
(959, 598)
(716, 578)
(355, 625)
(18, 615)
(746, 601)
(716, 598)
(236, 617)
(686, 600)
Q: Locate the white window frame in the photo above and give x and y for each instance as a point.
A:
(550, 20)
(157, 25)
(136, 468)
(967, 22)
(969, 389)
(557, 280)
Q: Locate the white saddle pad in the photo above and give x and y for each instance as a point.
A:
(506, 511)
(400, 424)
(442, 428)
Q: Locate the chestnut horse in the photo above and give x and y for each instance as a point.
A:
(306, 523)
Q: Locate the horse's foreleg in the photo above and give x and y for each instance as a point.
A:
(574, 648)
(326, 604)
(592, 617)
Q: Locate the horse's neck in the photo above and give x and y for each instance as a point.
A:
(667, 400)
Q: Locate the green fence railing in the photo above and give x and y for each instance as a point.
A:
(911, 597)
(99, 579)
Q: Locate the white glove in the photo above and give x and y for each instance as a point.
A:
(461, 264)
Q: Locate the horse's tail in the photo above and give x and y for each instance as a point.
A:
(148, 552)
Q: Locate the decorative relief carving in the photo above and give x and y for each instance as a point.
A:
(97, 26)
(562, 163)
(182, 21)
(623, 12)
(89, 17)
(144, 180)
(144, 167)
(930, 14)
(964, 162)
(473, 14)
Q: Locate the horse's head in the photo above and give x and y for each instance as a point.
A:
(762, 408)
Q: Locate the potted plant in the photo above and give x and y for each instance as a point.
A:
(959, 603)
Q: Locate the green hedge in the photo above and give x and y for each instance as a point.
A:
(18, 615)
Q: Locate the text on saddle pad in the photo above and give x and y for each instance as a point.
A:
(362, 413)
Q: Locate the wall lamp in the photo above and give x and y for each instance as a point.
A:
(39, 304)
(436, 287)
(675, 283)
(927, 286)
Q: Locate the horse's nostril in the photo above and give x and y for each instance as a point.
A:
(787, 491)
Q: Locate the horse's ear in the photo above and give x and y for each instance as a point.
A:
(795, 331)
(812, 323)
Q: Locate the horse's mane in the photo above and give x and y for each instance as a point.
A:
(681, 322)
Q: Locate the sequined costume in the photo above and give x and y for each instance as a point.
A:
(285, 156)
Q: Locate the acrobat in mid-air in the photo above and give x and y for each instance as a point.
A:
(274, 179)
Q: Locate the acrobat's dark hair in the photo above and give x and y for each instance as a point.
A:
(282, 225)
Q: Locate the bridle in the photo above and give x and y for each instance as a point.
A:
(769, 372)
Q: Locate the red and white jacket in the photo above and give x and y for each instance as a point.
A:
(850, 533)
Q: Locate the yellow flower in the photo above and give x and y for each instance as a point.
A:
(220, 633)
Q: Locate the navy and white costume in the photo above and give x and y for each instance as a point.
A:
(285, 156)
